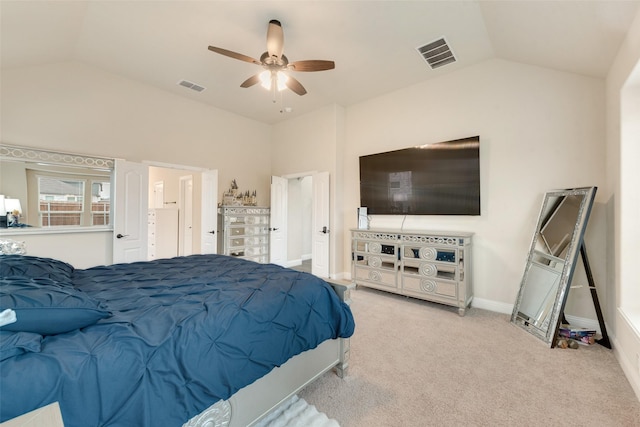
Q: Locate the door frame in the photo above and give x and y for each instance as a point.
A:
(331, 219)
(203, 206)
(185, 216)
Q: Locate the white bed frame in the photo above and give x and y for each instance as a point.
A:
(251, 403)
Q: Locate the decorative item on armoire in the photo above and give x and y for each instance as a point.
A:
(234, 197)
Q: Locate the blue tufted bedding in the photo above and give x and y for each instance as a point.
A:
(168, 338)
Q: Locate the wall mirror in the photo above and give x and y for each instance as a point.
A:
(553, 255)
(53, 190)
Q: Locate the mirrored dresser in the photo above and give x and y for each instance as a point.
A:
(433, 266)
(243, 232)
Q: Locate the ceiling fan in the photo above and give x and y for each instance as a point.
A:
(275, 63)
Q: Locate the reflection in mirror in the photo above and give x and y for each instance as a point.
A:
(551, 262)
(557, 229)
(537, 301)
(54, 189)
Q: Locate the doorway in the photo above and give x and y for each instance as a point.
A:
(299, 215)
(192, 195)
(185, 235)
(289, 251)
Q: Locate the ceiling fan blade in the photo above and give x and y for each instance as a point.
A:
(312, 65)
(275, 39)
(295, 86)
(251, 81)
(234, 55)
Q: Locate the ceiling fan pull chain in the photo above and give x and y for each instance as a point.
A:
(274, 86)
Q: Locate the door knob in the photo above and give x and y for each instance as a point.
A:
(212, 232)
(273, 229)
(324, 230)
(120, 236)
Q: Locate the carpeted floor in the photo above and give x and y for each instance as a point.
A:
(415, 363)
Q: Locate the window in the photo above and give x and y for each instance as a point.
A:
(100, 202)
(66, 199)
(60, 201)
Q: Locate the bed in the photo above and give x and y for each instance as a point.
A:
(197, 340)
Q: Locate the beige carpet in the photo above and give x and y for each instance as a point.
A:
(415, 363)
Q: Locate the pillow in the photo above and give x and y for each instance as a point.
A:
(33, 267)
(15, 343)
(45, 307)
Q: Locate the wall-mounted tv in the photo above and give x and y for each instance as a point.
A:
(433, 179)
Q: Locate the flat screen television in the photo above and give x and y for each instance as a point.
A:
(433, 179)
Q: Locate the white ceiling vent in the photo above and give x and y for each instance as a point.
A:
(437, 53)
(191, 85)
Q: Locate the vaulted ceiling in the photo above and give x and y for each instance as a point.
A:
(373, 43)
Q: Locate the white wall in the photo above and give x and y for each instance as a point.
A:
(312, 143)
(305, 213)
(298, 220)
(539, 130)
(623, 207)
(82, 250)
(74, 107)
(171, 180)
(294, 222)
(77, 108)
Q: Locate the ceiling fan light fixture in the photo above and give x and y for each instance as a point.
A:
(282, 80)
(265, 79)
(272, 78)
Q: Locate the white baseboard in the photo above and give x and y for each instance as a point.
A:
(306, 257)
(496, 306)
(340, 276)
(293, 263)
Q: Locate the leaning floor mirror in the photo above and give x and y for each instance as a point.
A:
(553, 255)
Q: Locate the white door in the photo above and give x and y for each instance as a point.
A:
(320, 225)
(209, 214)
(130, 212)
(186, 216)
(278, 226)
(158, 194)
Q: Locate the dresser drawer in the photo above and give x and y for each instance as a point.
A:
(429, 269)
(377, 276)
(429, 286)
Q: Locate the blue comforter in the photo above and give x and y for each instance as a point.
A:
(184, 333)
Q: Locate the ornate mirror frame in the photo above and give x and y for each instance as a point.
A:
(551, 262)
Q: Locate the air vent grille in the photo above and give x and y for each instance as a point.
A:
(191, 85)
(437, 53)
